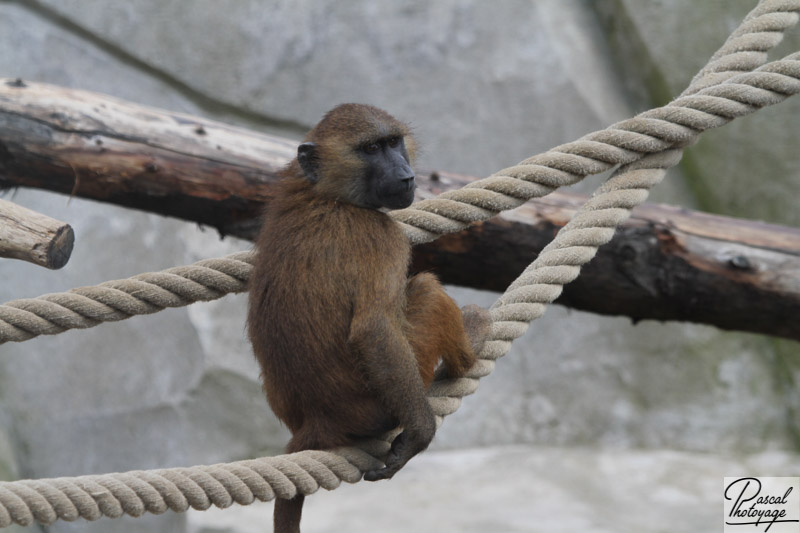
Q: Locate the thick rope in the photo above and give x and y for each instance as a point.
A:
(86, 307)
(721, 99)
(178, 489)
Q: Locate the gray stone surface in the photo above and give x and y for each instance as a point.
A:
(651, 385)
(484, 86)
(37, 48)
(764, 185)
(388, 55)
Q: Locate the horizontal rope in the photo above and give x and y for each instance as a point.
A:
(147, 293)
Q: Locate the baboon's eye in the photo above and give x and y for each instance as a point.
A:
(393, 142)
(371, 148)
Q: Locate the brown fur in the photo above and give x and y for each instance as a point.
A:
(346, 343)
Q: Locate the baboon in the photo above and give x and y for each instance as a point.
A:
(347, 343)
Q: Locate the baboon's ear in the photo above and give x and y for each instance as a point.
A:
(309, 162)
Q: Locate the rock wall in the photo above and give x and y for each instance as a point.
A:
(484, 85)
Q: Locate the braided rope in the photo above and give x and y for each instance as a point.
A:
(86, 307)
(715, 97)
(178, 489)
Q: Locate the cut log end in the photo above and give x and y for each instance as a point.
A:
(33, 237)
(59, 249)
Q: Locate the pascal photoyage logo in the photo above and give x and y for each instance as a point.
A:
(765, 503)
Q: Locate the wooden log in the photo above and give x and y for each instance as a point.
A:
(33, 237)
(97, 147)
(665, 263)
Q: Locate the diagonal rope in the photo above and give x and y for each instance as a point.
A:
(717, 95)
